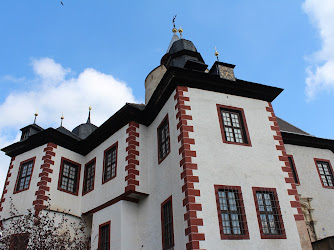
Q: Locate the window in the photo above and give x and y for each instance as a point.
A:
(163, 139)
(269, 213)
(104, 236)
(89, 177)
(233, 125)
(69, 176)
(325, 172)
(25, 134)
(231, 212)
(24, 175)
(110, 163)
(293, 169)
(167, 224)
(19, 241)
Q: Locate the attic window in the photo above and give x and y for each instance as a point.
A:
(110, 163)
(25, 134)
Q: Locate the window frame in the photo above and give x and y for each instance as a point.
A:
(242, 120)
(242, 214)
(293, 169)
(165, 119)
(85, 176)
(169, 199)
(63, 159)
(104, 161)
(24, 242)
(278, 213)
(100, 233)
(33, 159)
(316, 160)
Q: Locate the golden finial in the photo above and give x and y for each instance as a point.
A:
(36, 114)
(180, 31)
(216, 54)
(90, 107)
(62, 118)
(174, 29)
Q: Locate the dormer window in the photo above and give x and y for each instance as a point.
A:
(25, 134)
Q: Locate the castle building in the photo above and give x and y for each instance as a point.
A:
(203, 164)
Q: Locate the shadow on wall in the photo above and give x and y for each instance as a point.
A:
(324, 244)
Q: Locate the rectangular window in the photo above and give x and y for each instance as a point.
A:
(104, 236)
(233, 125)
(293, 169)
(269, 213)
(163, 139)
(24, 175)
(167, 224)
(325, 172)
(110, 163)
(89, 176)
(69, 176)
(231, 212)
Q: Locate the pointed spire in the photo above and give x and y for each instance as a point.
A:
(88, 120)
(36, 114)
(216, 54)
(61, 119)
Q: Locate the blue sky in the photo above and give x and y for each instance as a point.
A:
(58, 59)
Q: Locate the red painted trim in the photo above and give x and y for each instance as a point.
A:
(84, 180)
(104, 158)
(100, 233)
(219, 106)
(330, 166)
(283, 158)
(266, 236)
(63, 159)
(18, 174)
(242, 211)
(131, 158)
(158, 137)
(190, 194)
(162, 219)
(43, 183)
(294, 166)
(5, 190)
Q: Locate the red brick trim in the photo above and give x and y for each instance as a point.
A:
(5, 190)
(162, 219)
(277, 212)
(63, 159)
(284, 160)
(243, 125)
(187, 155)
(18, 174)
(241, 209)
(45, 178)
(132, 157)
(316, 160)
(100, 233)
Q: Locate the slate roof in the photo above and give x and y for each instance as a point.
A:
(287, 127)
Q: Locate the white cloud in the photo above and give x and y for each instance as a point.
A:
(54, 93)
(320, 74)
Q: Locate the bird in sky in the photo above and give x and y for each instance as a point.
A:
(61, 3)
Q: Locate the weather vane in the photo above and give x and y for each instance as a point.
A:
(174, 29)
(36, 114)
(216, 54)
(61, 118)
